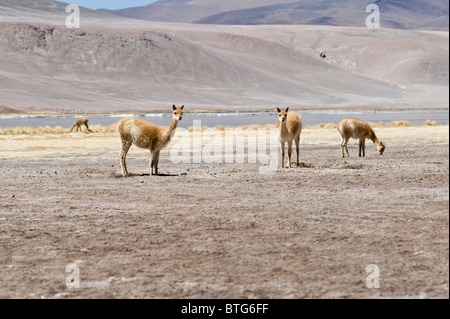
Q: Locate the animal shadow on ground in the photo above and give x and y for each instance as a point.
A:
(160, 175)
(118, 176)
(305, 165)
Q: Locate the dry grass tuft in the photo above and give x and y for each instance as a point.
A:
(322, 125)
(197, 129)
(430, 123)
(400, 124)
(269, 126)
(25, 130)
(250, 127)
(102, 129)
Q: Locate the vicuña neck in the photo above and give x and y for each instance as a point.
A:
(375, 140)
(283, 127)
(168, 134)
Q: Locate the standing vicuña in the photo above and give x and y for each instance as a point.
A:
(79, 122)
(289, 128)
(357, 129)
(146, 135)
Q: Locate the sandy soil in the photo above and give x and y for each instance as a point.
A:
(224, 230)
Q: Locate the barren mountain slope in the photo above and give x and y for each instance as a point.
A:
(117, 64)
(48, 11)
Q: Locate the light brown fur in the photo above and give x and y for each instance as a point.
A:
(78, 123)
(289, 128)
(146, 135)
(357, 129)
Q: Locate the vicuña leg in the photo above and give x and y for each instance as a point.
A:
(346, 146)
(74, 127)
(154, 163)
(157, 162)
(123, 155)
(297, 144)
(362, 147)
(282, 154)
(289, 153)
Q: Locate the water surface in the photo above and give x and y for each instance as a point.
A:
(228, 119)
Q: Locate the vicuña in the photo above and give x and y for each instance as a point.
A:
(146, 135)
(357, 129)
(289, 128)
(78, 123)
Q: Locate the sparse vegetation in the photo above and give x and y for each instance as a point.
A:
(430, 123)
(251, 127)
(24, 130)
(322, 125)
(400, 124)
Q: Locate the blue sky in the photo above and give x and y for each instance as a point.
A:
(109, 4)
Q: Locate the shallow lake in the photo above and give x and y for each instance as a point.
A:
(229, 119)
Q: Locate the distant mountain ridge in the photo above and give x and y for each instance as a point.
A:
(47, 11)
(187, 11)
(399, 14)
(117, 64)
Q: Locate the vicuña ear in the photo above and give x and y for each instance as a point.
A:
(174, 107)
(287, 110)
(278, 109)
(182, 107)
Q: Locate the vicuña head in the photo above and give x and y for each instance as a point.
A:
(381, 148)
(146, 135)
(178, 113)
(282, 115)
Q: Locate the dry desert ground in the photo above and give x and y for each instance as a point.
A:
(224, 230)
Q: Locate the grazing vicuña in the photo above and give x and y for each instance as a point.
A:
(357, 129)
(79, 122)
